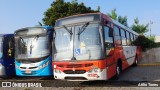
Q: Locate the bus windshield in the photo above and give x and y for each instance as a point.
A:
(83, 44)
(31, 48)
(1, 47)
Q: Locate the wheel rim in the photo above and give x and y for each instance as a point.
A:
(136, 61)
(118, 70)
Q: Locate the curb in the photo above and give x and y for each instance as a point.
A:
(151, 64)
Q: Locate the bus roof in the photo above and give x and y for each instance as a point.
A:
(118, 23)
(102, 16)
(81, 18)
(77, 15)
(48, 28)
(124, 27)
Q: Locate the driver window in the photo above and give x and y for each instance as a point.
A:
(108, 40)
(10, 47)
(1, 47)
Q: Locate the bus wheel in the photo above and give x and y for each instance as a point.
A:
(136, 61)
(118, 71)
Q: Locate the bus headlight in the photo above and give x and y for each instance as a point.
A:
(44, 65)
(95, 70)
(54, 66)
(17, 66)
(57, 71)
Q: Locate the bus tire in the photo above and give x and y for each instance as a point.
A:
(118, 70)
(136, 61)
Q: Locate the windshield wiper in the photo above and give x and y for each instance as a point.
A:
(82, 29)
(22, 41)
(36, 38)
(31, 46)
(89, 51)
(70, 31)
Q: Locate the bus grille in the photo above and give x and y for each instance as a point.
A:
(74, 72)
(33, 67)
(74, 65)
(23, 67)
(75, 78)
(28, 68)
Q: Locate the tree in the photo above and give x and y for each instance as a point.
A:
(98, 8)
(113, 14)
(123, 20)
(152, 38)
(60, 9)
(144, 42)
(120, 19)
(139, 28)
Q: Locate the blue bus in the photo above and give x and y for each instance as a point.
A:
(7, 67)
(33, 46)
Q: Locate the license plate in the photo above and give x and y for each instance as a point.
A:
(28, 71)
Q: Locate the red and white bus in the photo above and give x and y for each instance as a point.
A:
(92, 47)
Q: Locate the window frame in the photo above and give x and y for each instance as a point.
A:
(103, 30)
(119, 36)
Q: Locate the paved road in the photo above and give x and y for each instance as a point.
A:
(141, 73)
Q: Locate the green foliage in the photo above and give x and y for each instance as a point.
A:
(123, 20)
(113, 14)
(136, 21)
(152, 38)
(60, 9)
(139, 28)
(99, 8)
(157, 44)
(120, 19)
(144, 42)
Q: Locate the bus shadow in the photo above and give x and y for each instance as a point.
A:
(48, 78)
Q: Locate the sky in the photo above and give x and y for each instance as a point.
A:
(16, 14)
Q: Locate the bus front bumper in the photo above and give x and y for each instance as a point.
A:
(81, 77)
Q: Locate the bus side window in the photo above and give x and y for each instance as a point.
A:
(117, 36)
(123, 36)
(131, 36)
(128, 38)
(108, 40)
